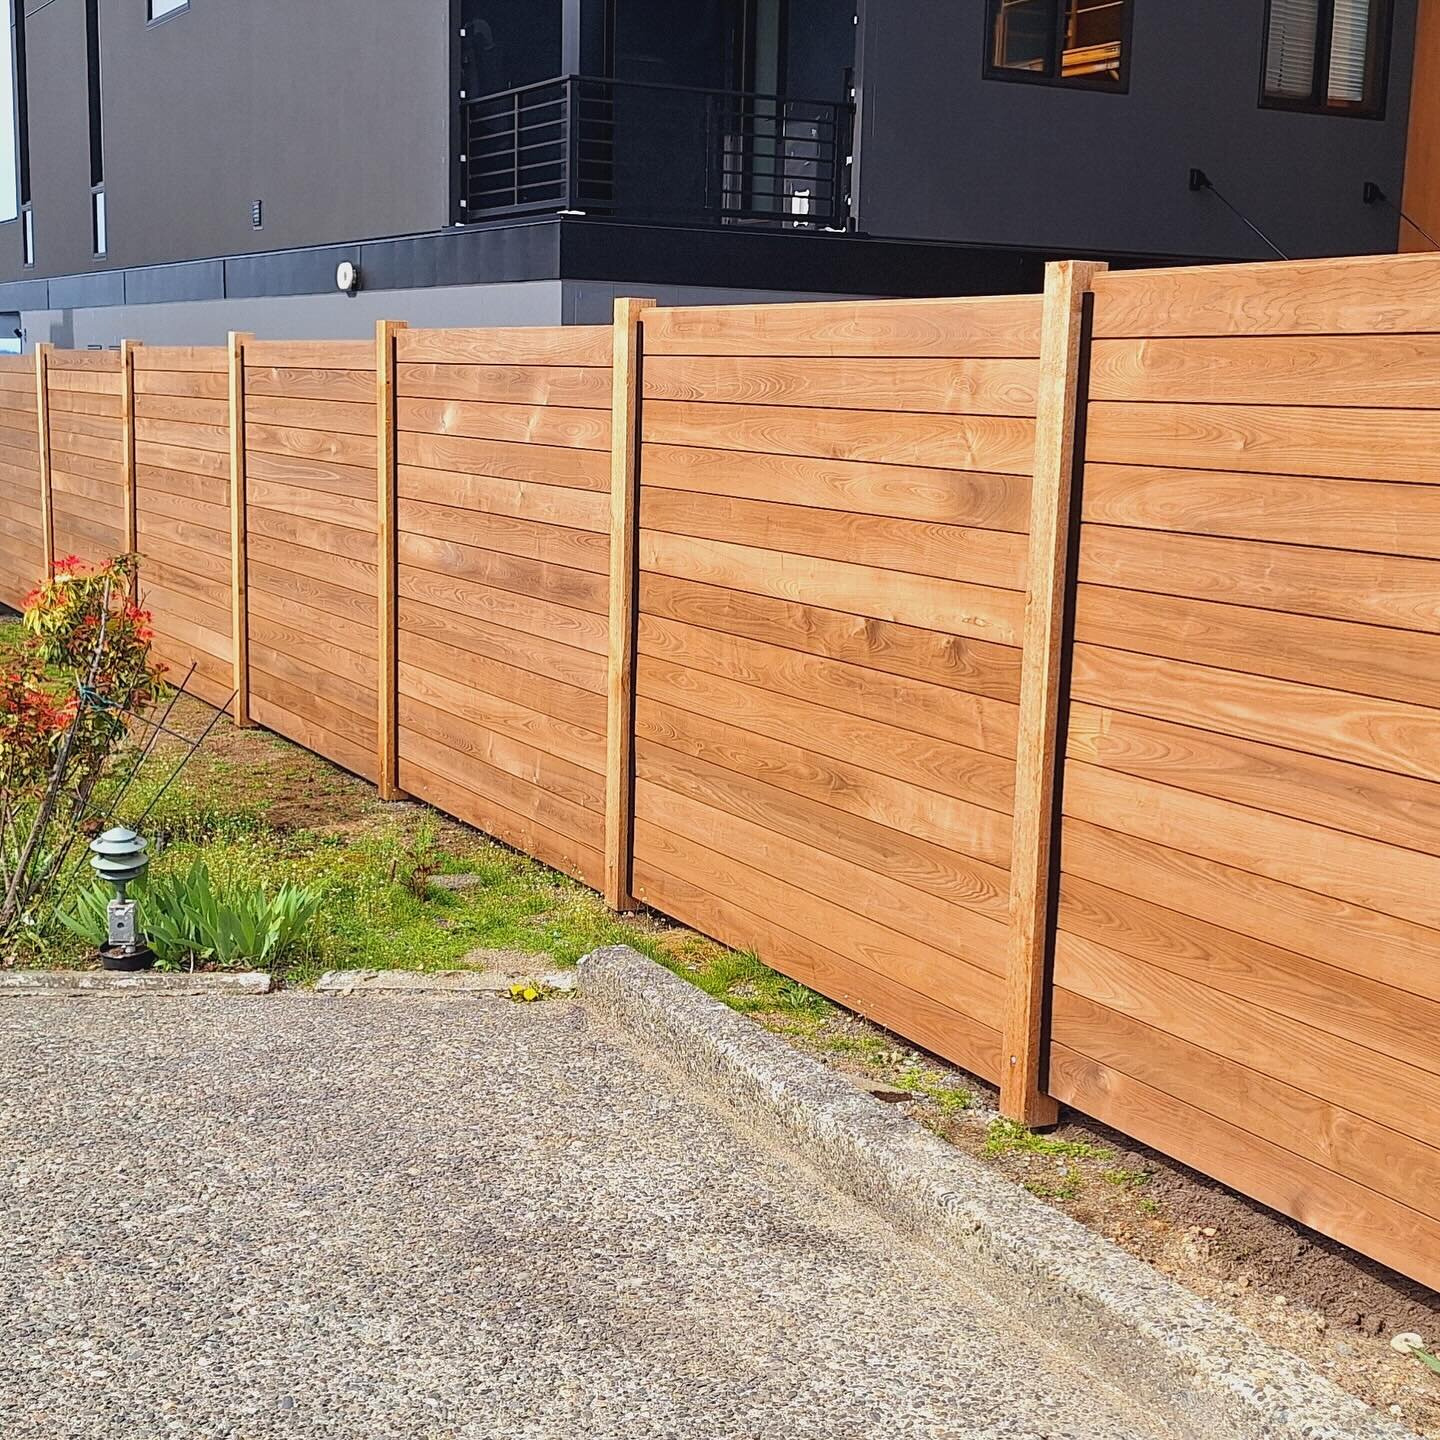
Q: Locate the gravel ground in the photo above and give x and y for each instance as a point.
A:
(421, 1218)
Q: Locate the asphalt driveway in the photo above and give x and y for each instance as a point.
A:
(433, 1218)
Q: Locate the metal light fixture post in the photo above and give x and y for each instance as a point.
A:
(119, 857)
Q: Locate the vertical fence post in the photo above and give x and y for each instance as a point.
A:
(1040, 749)
(387, 675)
(625, 380)
(127, 437)
(239, 544)
(42, 421)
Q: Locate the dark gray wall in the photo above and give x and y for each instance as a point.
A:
(334, 112)
(946, 153)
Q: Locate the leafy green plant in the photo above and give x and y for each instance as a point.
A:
(187, 921)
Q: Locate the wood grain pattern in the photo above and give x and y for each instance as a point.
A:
(1039, 753)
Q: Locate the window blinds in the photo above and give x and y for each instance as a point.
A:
(1290, 50)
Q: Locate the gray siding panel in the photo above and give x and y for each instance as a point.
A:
(948, 154)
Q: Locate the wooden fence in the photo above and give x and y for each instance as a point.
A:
(1054, 679)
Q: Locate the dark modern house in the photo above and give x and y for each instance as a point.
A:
(172, 169)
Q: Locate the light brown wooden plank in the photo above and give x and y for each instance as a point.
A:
(197, 384)
(1391, 590)
(482, 495)
(581, 388)
(327, 416)
(1310, 1193)
(1001, 326)
(353, 386)
(190, 409)
(1363, 801)
(955, 716)
(1384, 734)
(1327, 1066)
(184, 359)
(311, 473)
(559, 584)
(1394, 1023)
(896, 650)
(510, 714)
(1345, 370)
(915, 759)
(1385, 1160)
(1368, 515)
(976, 611)
(555, 544)
(955, 982)
(515, 345)
(469, 640)
(1356, 444)
(527, 614)
(623, 569)
(1348, 867)
(525, 424)
(1362, 942)
(311, 355)
(954, 442)
(537, 464)
(1372, 295)
(1039, 746)
(97, 361)
(916, 836)
(947, 497)
(322, 445)
(318, 505)
(213, 463)
(946, 387)
(1331, 654)
(986, 557)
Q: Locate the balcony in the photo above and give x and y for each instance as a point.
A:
(663, 153)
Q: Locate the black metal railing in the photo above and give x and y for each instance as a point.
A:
(656, 152)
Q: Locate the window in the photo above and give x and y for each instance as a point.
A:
(1062, 42)
(97, 128)
(14, 117)
(1327, 55)
(160, 9)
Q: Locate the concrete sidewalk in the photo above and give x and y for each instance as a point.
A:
(380, 1217)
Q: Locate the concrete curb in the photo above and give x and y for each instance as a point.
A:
(70, 984)
(1209, 1376)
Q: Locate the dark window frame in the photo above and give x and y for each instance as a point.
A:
(1382, 35)
(1120, 86)
(151, 18)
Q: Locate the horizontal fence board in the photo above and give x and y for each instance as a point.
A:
(310, 355)
(955, 442)
(1332, 654)
(573, 386)
(1385, 734)
(1365, 515)
(530, 539)
(482, 495)
(888, 329)
(537, 464)
(351, 386)
(947, 497)
(1359, 444)
(947, 387)
(989, 557)
(551, 345)
(1380, 295)
(525, 424)
(1371, 589)
(325, 416)
(1343, 370)
(924, 601)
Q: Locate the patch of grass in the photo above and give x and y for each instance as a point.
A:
(952, 1099)
(1067, 1188)
(1126, 1179)
(1006, 1137)
(873, 1049)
